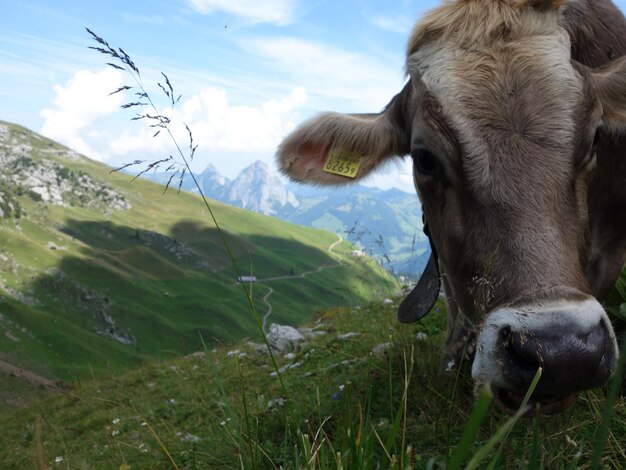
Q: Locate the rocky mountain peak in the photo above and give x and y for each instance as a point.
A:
(259, 189)
(212, 182)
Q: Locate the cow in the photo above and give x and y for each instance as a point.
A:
(514, 114)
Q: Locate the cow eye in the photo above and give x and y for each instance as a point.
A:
(425, 162)
(596, 140)
(590, 157)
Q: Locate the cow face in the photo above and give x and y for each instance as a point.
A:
(504, 129)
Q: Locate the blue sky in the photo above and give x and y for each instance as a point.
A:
(248, 70)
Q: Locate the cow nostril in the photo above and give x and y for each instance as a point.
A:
(521, 350)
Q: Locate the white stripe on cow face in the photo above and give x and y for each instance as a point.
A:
(504, 101)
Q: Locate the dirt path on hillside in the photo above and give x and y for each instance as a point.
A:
(32, 378)
(332, 247)
(296, 276)
(269, 308)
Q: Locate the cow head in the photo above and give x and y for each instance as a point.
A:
(510, 138)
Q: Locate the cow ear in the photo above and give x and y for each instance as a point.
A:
(609, 84)
(335, 148)
(422, 298)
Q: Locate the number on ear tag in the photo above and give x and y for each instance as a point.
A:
(343, 163)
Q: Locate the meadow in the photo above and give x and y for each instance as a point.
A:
(364, 392)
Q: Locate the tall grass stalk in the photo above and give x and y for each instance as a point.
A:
(161, 122)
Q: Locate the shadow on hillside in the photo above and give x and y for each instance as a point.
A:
(185, 240)
(120, 295)
(188, 244)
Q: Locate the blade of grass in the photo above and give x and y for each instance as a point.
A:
(534, 451)
(471, 429)
(400, 416)
(573, 465)
(503, 431)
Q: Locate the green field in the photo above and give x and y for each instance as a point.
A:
(90, 290)
(367, 393)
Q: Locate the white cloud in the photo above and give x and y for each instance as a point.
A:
(332, 72)
(396, 174)
(78, 105)
(279, 12)
(220, 129)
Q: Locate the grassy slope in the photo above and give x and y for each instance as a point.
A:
(112, 264)
(344, 405)
(344, 408)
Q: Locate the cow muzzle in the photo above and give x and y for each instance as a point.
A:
(573, 342)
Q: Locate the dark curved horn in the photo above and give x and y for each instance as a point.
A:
(423, 297)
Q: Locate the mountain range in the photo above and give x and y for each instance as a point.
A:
(387, 225)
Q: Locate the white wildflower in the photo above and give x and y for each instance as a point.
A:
(275, 403)
(191, 438)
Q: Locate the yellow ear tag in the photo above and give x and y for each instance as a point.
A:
(343, 163)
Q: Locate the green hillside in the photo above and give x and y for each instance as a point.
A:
(363, 392)
(99, 274)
